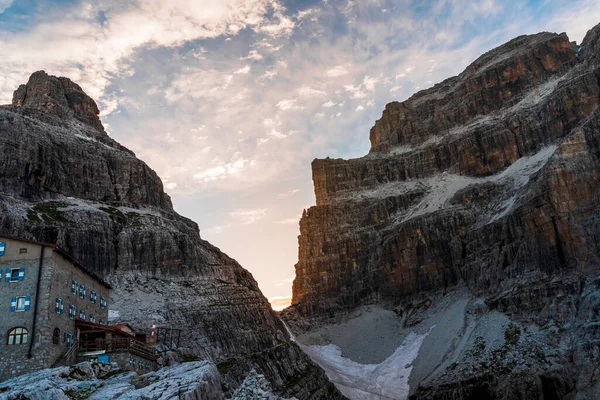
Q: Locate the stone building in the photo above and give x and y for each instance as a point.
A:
(44, 293)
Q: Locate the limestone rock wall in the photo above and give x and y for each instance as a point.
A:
(489, 179)
(63, 180)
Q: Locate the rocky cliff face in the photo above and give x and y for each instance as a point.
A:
(491, 179)
(63, 180)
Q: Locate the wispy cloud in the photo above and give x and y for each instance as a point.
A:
(249, 216)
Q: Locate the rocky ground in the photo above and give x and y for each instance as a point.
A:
(199, 380)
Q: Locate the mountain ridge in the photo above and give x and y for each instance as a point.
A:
(64, 181)
(490, 180)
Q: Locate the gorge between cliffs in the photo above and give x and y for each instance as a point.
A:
(458, 259)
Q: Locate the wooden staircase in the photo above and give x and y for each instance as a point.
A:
(66, 358)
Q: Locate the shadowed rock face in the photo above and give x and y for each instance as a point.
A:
(491, 178)
(63, 180)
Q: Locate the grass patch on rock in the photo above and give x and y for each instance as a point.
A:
(49, 212)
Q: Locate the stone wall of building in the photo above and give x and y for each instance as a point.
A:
(63, 273)
(14, 358)
(58, 272)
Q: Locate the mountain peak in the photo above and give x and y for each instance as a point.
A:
(58, 96)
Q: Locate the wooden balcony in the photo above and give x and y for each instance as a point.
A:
(118, 345)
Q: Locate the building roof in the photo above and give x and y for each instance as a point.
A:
(93, 327)
(63, 253)
(109, 328)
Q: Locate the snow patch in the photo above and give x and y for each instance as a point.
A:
(441, 188)
(384, 381)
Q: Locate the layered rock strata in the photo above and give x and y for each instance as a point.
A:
(491, 179)
(63, 180)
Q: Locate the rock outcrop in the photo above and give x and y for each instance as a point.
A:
(63, 180)
(491, 179)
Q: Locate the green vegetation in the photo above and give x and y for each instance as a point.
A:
(48, 211)
(113, 212)
(225, 366)
(81, 394)
(113, 373)
(32, 216)
(188, 358)
(135, 219)
(512, 334)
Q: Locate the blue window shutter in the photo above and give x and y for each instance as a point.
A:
(27, 302)
(7, 275)
(21, 274)
(73, 283)
(2, 247)
(13, 304)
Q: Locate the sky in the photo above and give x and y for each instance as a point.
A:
(229, 101)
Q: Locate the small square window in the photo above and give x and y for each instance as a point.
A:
(23, 250)
(14, 274)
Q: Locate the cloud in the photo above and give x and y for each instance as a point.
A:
(252, 55)
(337, 71)
(244, 70)
(247, 217)
(307, 91)
(285, 195)
(329, 104)
(289, 221)
(288, 104)
(75, 45)
(285, 281)
(4, 4)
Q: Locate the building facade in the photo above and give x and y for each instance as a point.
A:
(44, 292)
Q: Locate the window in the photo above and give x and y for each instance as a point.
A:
(14, 274)
(74, 288)
(69, 340)
(82, 315)
(2, 248)
(59, 306)
(82, 291)
(21, 303)
(56, 336)
(17, 336)
(22, 250)
(101, 322)
(72, 310)
(92, 319)
(93, 296)
(102, 303)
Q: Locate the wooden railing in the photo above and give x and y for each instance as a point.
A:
(120, 344)
(66, 358)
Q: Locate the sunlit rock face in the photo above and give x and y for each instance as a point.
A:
(489, 179)
(63, 180)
